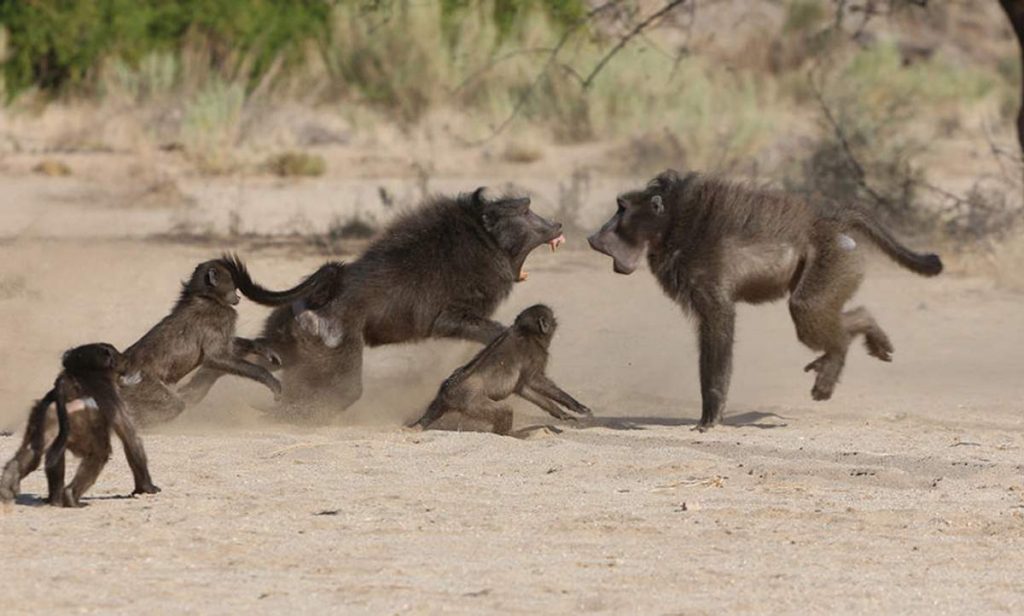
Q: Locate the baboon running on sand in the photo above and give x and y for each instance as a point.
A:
(439, 271)
(711, 244)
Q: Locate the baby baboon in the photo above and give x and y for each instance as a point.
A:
(87, 408)
(711, 244)
(199, 331)
(514, 363)
(439, 271)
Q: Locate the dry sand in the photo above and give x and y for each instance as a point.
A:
(904, 494)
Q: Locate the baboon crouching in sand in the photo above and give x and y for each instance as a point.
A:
(514, 363)
(84, 406)
(711, 244)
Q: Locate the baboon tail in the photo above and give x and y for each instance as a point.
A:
(56, 451)
(320, 286)
(924, 264)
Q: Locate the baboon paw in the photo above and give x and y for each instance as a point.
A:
(146, 489)
(822, 392)
(585, 411)
(882, 349)
(703, 426)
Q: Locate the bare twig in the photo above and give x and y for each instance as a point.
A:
(639, 28)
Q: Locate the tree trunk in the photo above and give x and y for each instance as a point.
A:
(1015, 13)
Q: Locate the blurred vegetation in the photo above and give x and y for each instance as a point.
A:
(60, 45)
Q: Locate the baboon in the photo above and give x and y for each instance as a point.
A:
(513, 363)
(711, 243)
(199, 331)
(87, 407)
(439, 271)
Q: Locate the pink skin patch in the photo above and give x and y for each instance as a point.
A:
(555, 243)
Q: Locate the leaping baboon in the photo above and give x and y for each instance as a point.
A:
(711, 243)
(439, 271)
(85, 406)
(199, 331)
(514, 363)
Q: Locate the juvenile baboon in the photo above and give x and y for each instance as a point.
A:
(513, 363)
(199, 331)
(711, 244)
(439, 271)
(86, 407)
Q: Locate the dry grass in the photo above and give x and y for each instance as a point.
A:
(296, 164)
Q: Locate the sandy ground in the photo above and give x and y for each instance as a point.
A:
(904, 494)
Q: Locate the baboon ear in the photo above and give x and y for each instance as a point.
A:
(668, 177)
(478, 195)
(543, 324)
(657, 205)
(211, 277)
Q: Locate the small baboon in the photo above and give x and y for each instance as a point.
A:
(514, 363)
(711, 243)
(87, 407)
(199, 331)
(439, 271)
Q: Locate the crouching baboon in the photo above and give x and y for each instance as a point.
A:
(711, 244)
(87, 407)
(439, 271)
(199, 331)
(514, 363)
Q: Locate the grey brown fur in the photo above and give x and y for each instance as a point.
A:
(711, 244)
(89, 379)
(439, 271)
(514, 363)
(199, 331)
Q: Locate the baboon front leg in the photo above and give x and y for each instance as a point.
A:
(546, 403)
(245, 346)
(542, 384)
(454, 323)
(717, 325)
(134, 452)
(246, 369)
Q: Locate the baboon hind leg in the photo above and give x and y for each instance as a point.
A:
(816, 305)
(88, 470)
(499, 415)
(151, 402)
(860, 321)
(29, 455)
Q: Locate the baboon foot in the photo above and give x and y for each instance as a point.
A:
(878, 345)
(146, 489)
(69, 500)
(823, 388)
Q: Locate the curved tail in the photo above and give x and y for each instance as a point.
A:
(926, 264)
(56, 451)
(318, 288)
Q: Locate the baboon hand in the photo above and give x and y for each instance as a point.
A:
(582, 409)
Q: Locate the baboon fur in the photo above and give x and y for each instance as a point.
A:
(439, 271)
(712, 243)
(87, 407)
(514, 363)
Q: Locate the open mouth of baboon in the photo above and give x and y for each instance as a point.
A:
(555, 240)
